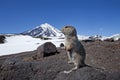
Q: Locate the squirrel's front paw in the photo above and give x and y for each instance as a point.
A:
(70, 62)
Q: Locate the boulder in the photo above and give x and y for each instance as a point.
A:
(2, 38)
(47, 49)
(88, 40)
(85, 73)
(119, 39)
(88, 73)
(61, 45)
(109, 40)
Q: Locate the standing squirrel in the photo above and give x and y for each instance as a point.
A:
(74, 48)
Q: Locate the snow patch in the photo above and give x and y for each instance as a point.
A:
(20, 43)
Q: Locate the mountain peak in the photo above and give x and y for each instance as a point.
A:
(46, 25)
(45, 30)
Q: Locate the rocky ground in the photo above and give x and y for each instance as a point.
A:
(103, 59)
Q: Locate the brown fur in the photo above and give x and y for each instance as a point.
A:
(75, 50)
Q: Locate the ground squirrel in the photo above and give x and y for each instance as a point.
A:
(75, 50)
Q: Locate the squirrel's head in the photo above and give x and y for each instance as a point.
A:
(69, 31)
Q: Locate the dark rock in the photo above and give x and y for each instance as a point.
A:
(19, 71)
(88, 40)
(9, 63)
(118, 40)
(2, 38)
(44, 38)
(98, 40)
(109, 40)
(61, 45)
(47, 49)
(85, 73)
(113, 76)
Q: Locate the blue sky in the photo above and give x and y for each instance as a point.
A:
(90, 17)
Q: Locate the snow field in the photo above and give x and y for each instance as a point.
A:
(19, 43)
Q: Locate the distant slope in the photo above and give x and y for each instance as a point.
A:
(115, 36)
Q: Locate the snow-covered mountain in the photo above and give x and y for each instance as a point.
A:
(45, 30)
(115, 36)
(98, 37)
(82, 37)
